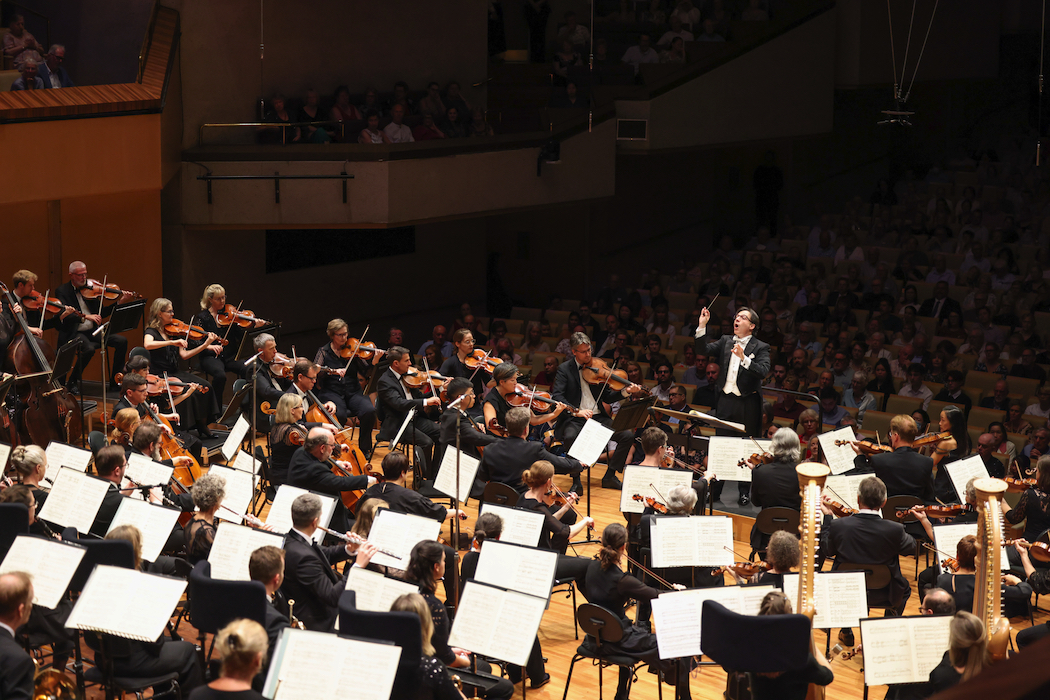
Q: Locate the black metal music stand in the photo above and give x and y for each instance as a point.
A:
(633, 414)
(247, 347)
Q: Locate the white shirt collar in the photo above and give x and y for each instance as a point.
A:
(8, 628)
(870, 512)
(303, 535)
(743, 341)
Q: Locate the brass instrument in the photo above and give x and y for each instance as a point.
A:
(52, 684)
(987, 599)
(293, 622)
(811, 478)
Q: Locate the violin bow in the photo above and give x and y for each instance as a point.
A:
(532, 395)
(760, 449)
(102, 296)
(480, 364)
(658, 579)
(657, 491)
(233, 320)
(43, 309)
(598, 398)
(841, 499)
(167, 387)
(359, 341)
(430, 380)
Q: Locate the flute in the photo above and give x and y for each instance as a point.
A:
(248, 518)
(353, 538)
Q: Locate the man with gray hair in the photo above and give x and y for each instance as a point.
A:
(51, 70)
(269, 388)
(309, 469)
(775, 485)
(309, 579)
(29, 80)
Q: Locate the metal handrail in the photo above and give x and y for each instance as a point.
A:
(276, 125)
(47, 20)
(147, 40)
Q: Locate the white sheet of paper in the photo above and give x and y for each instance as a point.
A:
(398, 533)
(497, 623)
(239, 491)
(963, 470)
(839, 598)
(678, 622)
(280, 515)
(637, 480)
(153, 521)
(744, 600)
(401, 431)
(946, 538)
(74, 500)
(235, 438)
(844, 488)
(693, 540)
(314, 665)
(591, 442)
(519, 526)
(446, 477)
(712, 422)
(840, 457)
(51, 564)
(143, 470)
(5, 453)
(903, 649)
(60, 455)
(233, 547)
(523, 569)
(375, 591)
(146, 603)
(246, 463)
(725, 455)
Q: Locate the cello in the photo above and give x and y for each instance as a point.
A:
(351, 452)
(49, 411)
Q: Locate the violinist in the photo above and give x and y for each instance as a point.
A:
(1039, 580)
(471, 435)
(304, 378)
(394, 402)
(1015, 593)
(658, 454)
(505, 375)
(928, 576)
(455, 366)
(269, 387)
(904, 471)
(342, 386)
(24, 284)
(790, 684)
(505, 461)
(1034, 504)
(953, 421)
(775, 485)
(74, 326)
(560, 523)
(207, 494)
(570, 388)
(165, 353)
(287, 434)
(217, 360)
(309, 469)
(782, 555)
(134, 393)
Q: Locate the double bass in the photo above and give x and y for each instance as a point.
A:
(48, 411)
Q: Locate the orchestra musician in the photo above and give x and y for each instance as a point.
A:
(789, 684)
(658, 454)
(495, 407)
(454, 366)
(287, 420)
(904, 471)
(570, 388)
(775, 485)
(396, 400)
(432, 679)
(125, 422)
(266, 565)
(506, 460)
(269, 387)
(928, 577)
(110, 464)
(23, 284)
(206, 493)
(134, 394)
(309, 469)
(29, 462)
(72, 327)
(471, 435)
(560, 524)
(304, 378)
(217, 360)
(342, 386)
(165, 353)
(16, 666)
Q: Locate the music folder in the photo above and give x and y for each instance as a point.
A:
(51, 564)
(321, 665)
(146, 603)
(497, 622)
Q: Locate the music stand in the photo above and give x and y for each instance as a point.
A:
(247, 347)
(700, 417)
(5, 386)
(65, 358)
(235, 403)
(633, 414)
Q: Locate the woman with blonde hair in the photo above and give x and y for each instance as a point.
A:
(434, 680)
(217, 360)
(124, 423)
(286, 436)
(242, 647)
(967, 653)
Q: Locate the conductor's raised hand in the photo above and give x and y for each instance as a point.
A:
(705, 316)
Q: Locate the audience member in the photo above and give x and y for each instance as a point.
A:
(19, 44)
(576, 34)
(453, 98)
(570, 100)
(51, 70)
(478, 125)
(278, 114)
(401, 97)
(675, 31)
(342, 110)
(452, 127)
(29, 80)
(641, 53)
(310, 113)
(372, 133)
(428, 130)
(431, 102)
(914, 387)
(396, 131)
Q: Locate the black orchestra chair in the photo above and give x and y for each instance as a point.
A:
(400, 628)
(772, 520)
(214, 603)
(96, 441)
(14, 521)
(500, 494)
(604, 627)
(876, 578)
(895, 504)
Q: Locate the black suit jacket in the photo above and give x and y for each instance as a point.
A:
(504, 461)
(947, 307)
(107, 511)
(44, 73)
(68, 296)
(391, 404)
(307, 473)
(773, 485)
(904, 471)
(868, 539)
(568, 388)
(311, 582)
(16, 669)
(266, 391)
(989, 402)
(469, 437)
(749, 379)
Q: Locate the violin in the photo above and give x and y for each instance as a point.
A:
(598, 372)
(539, 401)
(365, 350)
(930, 439)
(52, 305)
(416, 379)
(282, 366)
(651, 502)
(840, 510)
(743, 569)
(1037, 550)
(756, 459)
(480, 358)
(937, 511)
(243, 318)
(496, 429)
(177, 328)
(94, 289)
(949, 563)
(155, 386)
(866, 448)
(1018, 485)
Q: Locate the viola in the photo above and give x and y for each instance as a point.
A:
(416, 379)
(756, 459)
(743, 569)
(282, 366)
(94, 289)
(840, 510)
(365, 350)
(52, 305)
(867, 448)
(539, 401)
(930, 439)
(496, 429)
(937, 511)
(243, 318)
(181, 329)
(598, 372)
(651, 502)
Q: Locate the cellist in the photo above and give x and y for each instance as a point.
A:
(134, 394)
(310, 469)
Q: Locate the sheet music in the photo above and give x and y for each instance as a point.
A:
(143, 470)
(840, 598)
(280, 515)
(146, 603)
(519, 526)
(710, 420)
(963, 470)
(401, 431)
(636, 480)
(74, 500)
(946, 538)
(239, 492)
(446, 477)
(844, 488)
(497, 623)
(375, 591)
(155, 522)
(744, 600)
(316, 665)
(60, 455)
(903, 649)
(51, 564)
(591, 442)
(839, 457)
(246, 463)
(692, 540)
(725, 454)
(235, 438)
(233, 547)
(399, 533)
(5, 453)
(523, 569)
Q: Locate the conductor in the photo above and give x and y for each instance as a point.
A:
(745, 363)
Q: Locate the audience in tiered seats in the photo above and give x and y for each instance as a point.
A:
(22, 51)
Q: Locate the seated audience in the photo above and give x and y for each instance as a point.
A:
(372, 133)
(396, 131)
(641, 53)
(51, 70)
(29, 80)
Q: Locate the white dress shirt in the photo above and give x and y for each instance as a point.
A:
(734, 362)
